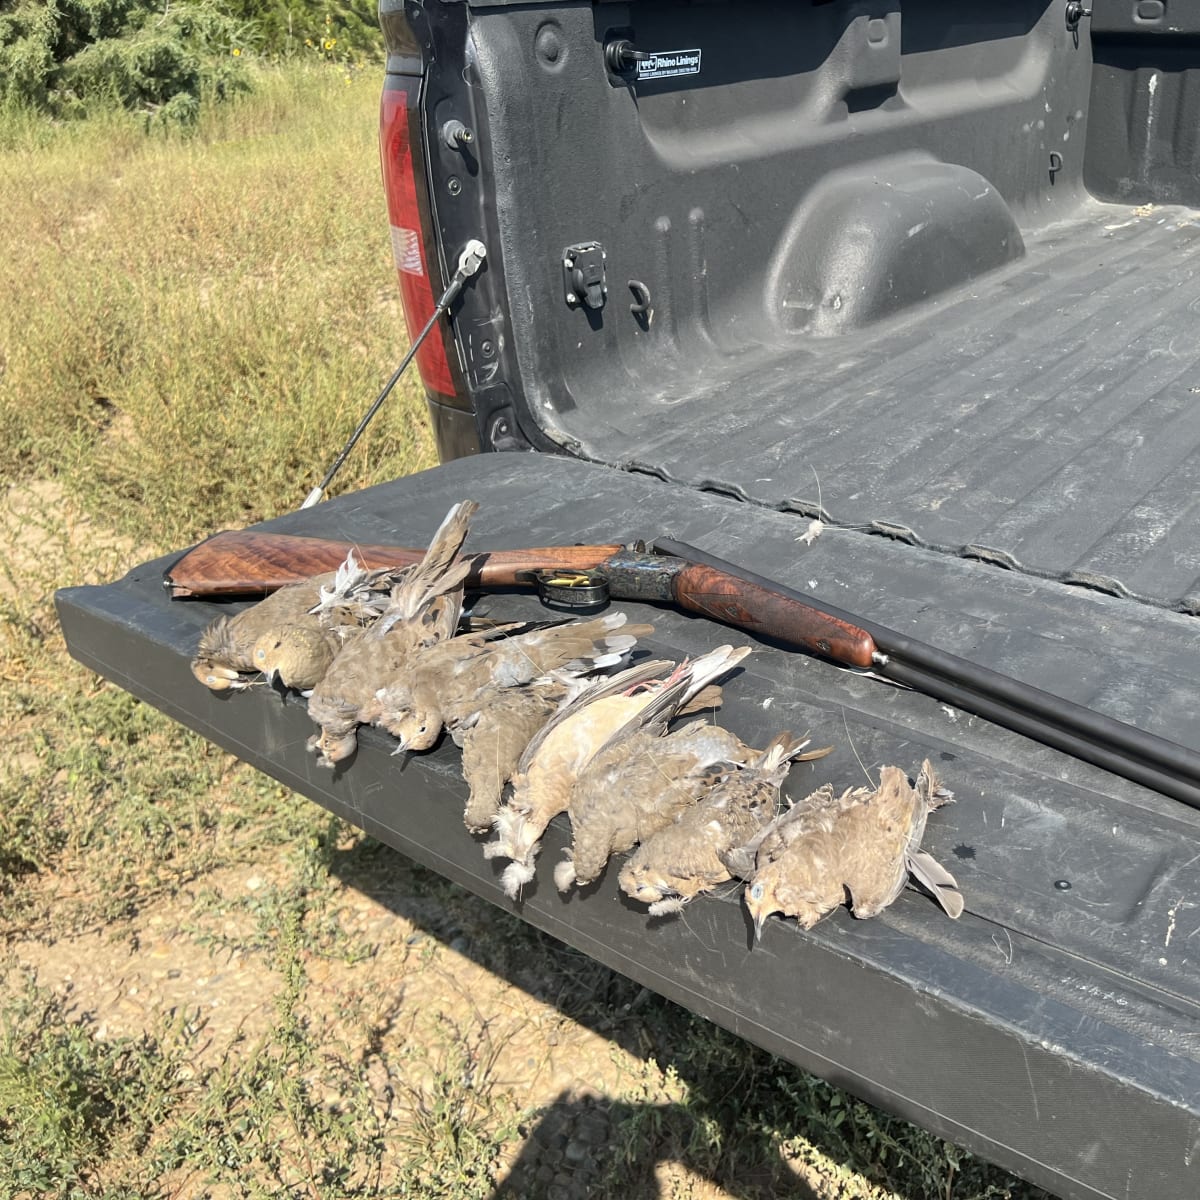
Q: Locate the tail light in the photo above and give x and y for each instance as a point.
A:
(399, 136)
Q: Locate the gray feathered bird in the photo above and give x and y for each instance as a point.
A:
(554, 759)
(424, 607)
(637, 785)
(505, 721)
(688, 857)
(493, 693)
(861, 845)
(441, 683)
(231, 647)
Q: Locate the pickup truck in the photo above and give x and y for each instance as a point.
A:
(925, 272)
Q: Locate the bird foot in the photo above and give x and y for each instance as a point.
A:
(564, 875)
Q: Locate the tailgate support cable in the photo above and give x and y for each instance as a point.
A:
(469, 263)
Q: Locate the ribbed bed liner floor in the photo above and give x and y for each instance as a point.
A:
(1046, 417)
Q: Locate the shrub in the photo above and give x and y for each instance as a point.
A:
(345, 31)
(65, 58)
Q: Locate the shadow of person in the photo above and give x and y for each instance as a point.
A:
(582, 1148)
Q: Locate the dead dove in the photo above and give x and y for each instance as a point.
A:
(441, 683)
(688, 857)
(861, 846)
(298, 656)
(230, 647)
(554, 759)
(637, 785)
(506, 720)
(424, 607)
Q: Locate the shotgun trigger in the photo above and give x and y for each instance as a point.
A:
(571, 590)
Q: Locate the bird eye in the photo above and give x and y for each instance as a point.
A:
(210, 679)
(260, 654)
(756, 892)
(421, 728)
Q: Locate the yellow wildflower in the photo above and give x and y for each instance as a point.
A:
(237, 53)
(330, 43)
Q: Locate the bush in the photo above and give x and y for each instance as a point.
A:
(345, 31)
(66, 58)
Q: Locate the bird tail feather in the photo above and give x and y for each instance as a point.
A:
(937, 881)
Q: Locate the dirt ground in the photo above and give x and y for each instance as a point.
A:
(406, 987)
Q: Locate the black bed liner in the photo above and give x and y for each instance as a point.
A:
(1053, 1029)
(1045, 416)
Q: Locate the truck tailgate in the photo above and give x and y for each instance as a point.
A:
(1055, 1019)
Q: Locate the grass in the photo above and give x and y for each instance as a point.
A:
(193, 326)
(209, 987)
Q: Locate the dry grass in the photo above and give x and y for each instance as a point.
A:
(209, 987)
(192, 326)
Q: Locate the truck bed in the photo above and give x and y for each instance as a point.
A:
(1054, 1029)
(1045, 417)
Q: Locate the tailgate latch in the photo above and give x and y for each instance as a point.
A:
(584, 276)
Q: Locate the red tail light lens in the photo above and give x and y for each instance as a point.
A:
(397, 131)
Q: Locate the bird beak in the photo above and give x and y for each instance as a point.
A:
(759, 921)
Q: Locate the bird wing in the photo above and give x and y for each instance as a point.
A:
(688, 681)
(614, 685)
(437, 573)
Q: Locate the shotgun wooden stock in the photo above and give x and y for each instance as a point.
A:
(245, 563)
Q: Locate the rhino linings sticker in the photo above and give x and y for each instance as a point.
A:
(663, 64)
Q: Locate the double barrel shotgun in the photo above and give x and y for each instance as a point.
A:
(669, 572)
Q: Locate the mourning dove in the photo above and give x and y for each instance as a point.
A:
(636, 786)
(442, 682)
(688, 857)
(554, 759)
(230, 646)
(424, 607)
(298, 656)
(506, 721)
(861, 846)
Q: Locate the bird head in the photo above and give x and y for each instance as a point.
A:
(396, 710)
(335, 748)
(295, 655)
(266, 656)
(217, 677)
(760, 900)
(643, 884)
